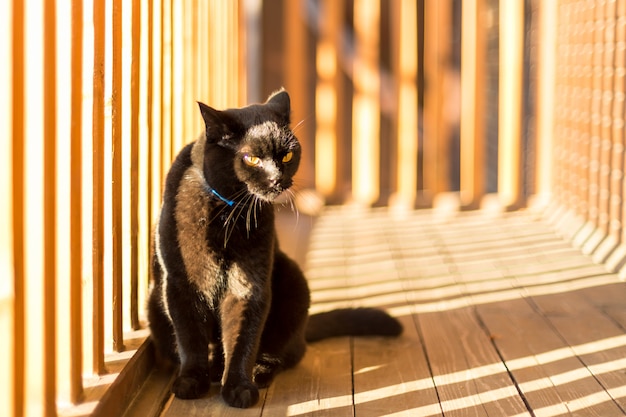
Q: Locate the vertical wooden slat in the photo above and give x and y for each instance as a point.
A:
(437, 34)
(366, 106)
(557, 185)
(145, 192)
(98, 185)
(618, 114)
(298, 73)
(242, 53)
(17, 162)
(608, 30)
(203, 53)
(8, 302)
(155, 123)
(606, 237)
(116, 190)
(76, 185)
(63, 281)
(580, 80)
(596, 116)
(178, 80)
(580, 188)
(617, 156)
(135, 86)
(510, 101)
(232, 53)
(189, 71)
(165, 84)
(328, 88)
(546, 79)
(473, 72)
(406, 67)
(50, 206)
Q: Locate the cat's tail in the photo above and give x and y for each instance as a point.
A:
(351, 322)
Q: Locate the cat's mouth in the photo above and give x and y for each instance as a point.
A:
(268, 194)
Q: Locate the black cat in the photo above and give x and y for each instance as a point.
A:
(226, 303)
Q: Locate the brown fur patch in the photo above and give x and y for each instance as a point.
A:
(192, 219)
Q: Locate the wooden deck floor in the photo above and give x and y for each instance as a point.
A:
(502, 318)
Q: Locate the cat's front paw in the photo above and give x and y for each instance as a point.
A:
(263, 375)
(189, 387)
(242, 395)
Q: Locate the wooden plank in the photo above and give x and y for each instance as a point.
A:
(321, 384)
(463, 387)
(153, 396)
(393, 376)
(521, 337)
(583, 326)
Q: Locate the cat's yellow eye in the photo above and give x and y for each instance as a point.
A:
(287, 157)
(252, 161)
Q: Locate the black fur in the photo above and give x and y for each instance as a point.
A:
(226, 303)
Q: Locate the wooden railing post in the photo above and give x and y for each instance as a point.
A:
(510, 103)
(326, 98)
(366, 106)
(406, 67)
(437, 44)
(298, 74)
(546, 80)
(8, 179)
(97, 345)
(473, 55)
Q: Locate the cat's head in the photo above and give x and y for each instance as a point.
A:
(251, 146)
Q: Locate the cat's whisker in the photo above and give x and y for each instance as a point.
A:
(228, 228)
(217, 215)
(239, 208)
(294, 206)
(251, 203)
(300, 124)
(257, 206)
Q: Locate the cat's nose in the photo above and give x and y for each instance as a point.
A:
(274, 181)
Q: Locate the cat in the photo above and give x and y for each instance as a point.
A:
(226, 303)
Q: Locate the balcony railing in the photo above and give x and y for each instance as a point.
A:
(396, 103)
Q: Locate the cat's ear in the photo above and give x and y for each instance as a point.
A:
(217, 125)
(280, 103)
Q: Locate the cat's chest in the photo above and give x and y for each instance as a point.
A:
(215, 252)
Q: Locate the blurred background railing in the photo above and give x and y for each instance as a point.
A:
(397, 102)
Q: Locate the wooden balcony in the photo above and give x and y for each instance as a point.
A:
(468, 155)
(502, 317)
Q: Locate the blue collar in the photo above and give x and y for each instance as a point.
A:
(218, 195)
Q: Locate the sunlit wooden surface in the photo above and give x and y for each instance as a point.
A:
(502, 318)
